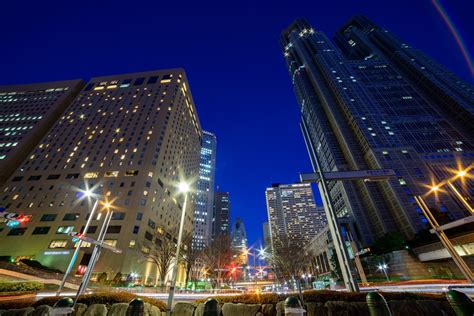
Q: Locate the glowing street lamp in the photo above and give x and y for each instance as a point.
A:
(97, 250)
(183, 188)
(459, 174)
(384, 267)
(88, 193)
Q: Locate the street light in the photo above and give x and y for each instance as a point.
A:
(97, 250)
(183, 188)
(384, 267)
(449, 182)
(88, 193)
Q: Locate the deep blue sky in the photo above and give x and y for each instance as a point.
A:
(233, 61)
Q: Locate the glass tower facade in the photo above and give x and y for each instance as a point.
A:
(205, 194)
(221, 215)
(239, 235)
(368, 101)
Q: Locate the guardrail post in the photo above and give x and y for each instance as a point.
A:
(293, 307)
(63, 306)
(461, 303)
(211, 308)
(377, 304)
(136, 307)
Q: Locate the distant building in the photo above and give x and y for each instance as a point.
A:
(293, 213)
(129, 138)
(267, 241)
(27, 112)
(369, 100)
(205, 193)
(239, 240)
(221, 215)
(239, 235)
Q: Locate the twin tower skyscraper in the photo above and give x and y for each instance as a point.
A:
(369, 100)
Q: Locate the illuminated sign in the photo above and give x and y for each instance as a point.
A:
(56, 253)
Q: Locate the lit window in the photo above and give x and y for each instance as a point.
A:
(64, 229)
(111, 242)
(111, 174)
(58, 243)
(91, 175)
(131, 244)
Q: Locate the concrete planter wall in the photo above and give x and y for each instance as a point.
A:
(399, 308)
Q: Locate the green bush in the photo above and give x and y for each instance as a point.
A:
(322, 296)
(27, 286)
(107, 298)
(38, 265)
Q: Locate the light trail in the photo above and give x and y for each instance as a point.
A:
(455, 32)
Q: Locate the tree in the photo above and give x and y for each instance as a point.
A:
(217, 256)
(290, 261)
(190, 257)
(160, 249)
(389, 242)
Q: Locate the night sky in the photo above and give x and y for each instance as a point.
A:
(233, 61)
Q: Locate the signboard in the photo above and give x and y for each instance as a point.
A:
(363, 251)
(93, 241)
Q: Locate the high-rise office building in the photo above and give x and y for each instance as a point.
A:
(221, 215)
(293, 213)
(267, 243)
(27, 112)
(130, 138)
(239, 235)
(368, 100)
(205, 192)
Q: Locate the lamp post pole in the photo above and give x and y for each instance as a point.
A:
(466, 271)
(95, 256)
(78, 247)
(178, 246)
(460, 197)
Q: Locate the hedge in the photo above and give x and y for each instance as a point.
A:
(106, 298)
(26, 286)
(323, 296)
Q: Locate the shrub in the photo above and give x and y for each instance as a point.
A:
(38, 265)
(16, 304)
(107, 298)
(322, 296)
(20, 286)
(102, 278)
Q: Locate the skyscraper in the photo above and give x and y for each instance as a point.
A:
(239, 235)
(371, 101)
(205, 194)
(267, 243)
(130, 138)
(293, 213)
(221, 215)
(27, 112)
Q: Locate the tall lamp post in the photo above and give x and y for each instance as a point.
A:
(88, 194)
(183, 188)
(383, 267)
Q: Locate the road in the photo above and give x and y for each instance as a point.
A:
(190, 297)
